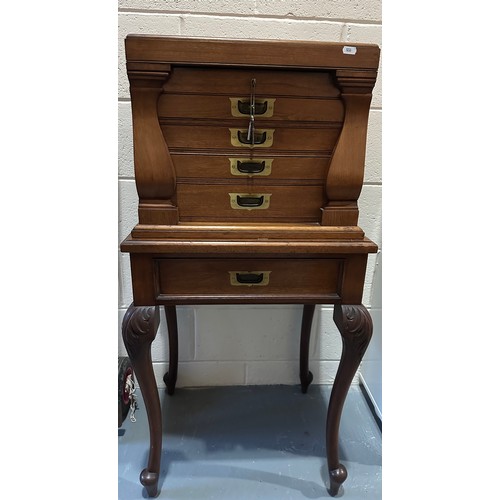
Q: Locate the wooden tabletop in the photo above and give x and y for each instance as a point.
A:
(270, 53)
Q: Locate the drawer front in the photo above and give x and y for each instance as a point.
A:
(173, 106)
(236, 82)
(184, 137)
(243, 202)
(248, 277)
(258, 167)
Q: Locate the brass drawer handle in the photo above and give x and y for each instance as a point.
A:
(249, 201)
(250, 166)
(242, 107)
(262, 138)
(249, 278)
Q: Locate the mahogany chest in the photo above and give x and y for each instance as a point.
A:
(249, 161)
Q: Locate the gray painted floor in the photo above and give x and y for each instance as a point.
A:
(259, 442)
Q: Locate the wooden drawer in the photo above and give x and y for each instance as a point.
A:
(244, 202)
(237, 82)
(221, 278)
(173, 106)
(186, 137)
(258, 167)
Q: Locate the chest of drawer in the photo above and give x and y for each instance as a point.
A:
(237, 82)
(248, 277)
(258, 167)
(267, 138)
(300, 127)
(272, 108)
(248, 202)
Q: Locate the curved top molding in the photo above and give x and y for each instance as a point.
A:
(270, 53)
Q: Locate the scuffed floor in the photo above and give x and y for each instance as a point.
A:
(259, 442)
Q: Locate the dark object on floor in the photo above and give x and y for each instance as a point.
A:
(124, 371)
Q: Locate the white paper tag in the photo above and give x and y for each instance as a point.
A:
(349, 50)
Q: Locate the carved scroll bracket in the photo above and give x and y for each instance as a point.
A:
(345, 175)
(355, 326)
(139, 328)
(154, 170)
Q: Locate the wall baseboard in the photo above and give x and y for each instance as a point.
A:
(377, 415)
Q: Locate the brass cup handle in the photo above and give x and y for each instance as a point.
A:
(249, 201)
(250, 167)
(260, 108)
(242, 107)
(259, 137)
(249, 278)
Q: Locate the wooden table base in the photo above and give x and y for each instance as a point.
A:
(139, 330)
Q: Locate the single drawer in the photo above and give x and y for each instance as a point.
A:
(183, 137)
(172, 106)
(246, 278)
(244, 202)
(256, 166)
(236, 82)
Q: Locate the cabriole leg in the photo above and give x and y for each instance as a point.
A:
(170, 378)
(306, 377)
(139, 330)
(355, 326)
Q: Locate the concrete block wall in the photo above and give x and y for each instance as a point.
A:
(245, 345)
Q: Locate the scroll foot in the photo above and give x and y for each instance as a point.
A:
(150, 481)
(170, 383)
(337, 477)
